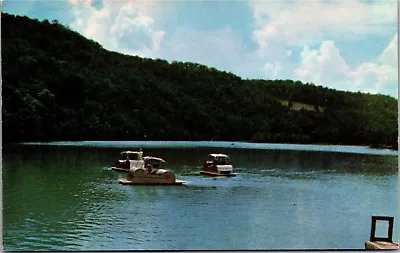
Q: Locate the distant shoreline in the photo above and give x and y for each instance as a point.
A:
(374, 146)
(132, 145)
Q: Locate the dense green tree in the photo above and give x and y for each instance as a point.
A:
(58, 85)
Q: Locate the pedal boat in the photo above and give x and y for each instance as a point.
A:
(153, 173)
(218, 165)
(129, 160)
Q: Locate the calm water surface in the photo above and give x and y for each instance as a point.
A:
(63, 196)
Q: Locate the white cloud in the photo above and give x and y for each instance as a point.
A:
(373, 78)
(389, 56)
(326, 66)
(322, 64)
(281, 30)
(307, 22)
(123, 26)
(315, 27)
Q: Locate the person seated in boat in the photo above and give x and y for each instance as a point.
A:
(148, 168)
(140, 154)
(208, 163)
(155, 168)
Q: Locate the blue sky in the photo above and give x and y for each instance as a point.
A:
(342, 44)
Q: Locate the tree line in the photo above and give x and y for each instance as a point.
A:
(58, 85)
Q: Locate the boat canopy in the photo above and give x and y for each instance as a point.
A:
(219, 158)
(153, 159)
(131, 155)
(154, 162)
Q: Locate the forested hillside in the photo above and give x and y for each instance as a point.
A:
(58, 85)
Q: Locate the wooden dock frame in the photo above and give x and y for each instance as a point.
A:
(381, 243)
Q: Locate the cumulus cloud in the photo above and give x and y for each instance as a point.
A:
(326, 66)
(374, 78)
(289, 40)
(315, 27)
(322, 64)
(390, 54)
(307, 22)
(131, 27)
(124, 26)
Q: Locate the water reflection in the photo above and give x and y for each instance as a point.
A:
(67, 198)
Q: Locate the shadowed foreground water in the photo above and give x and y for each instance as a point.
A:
(65, 197)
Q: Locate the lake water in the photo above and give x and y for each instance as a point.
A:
(64, 196)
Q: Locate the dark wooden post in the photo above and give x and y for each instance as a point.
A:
(389, 238)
